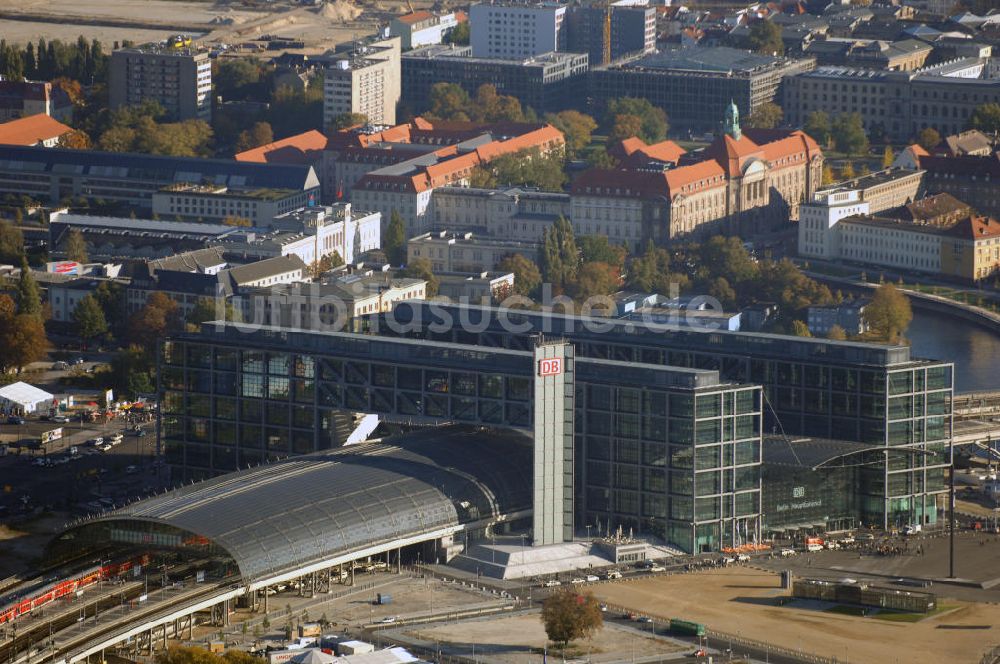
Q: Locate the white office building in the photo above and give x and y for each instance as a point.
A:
(516, 31)
(817, 236)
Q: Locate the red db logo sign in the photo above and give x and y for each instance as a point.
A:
(550, 367)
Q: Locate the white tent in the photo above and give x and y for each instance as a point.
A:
(21, 398)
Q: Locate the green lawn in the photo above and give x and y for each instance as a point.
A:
(885, 614)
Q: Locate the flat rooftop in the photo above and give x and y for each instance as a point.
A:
(714, 59)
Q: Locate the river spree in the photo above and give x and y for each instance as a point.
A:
(974, 350)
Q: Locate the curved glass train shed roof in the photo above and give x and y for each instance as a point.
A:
(288, 514)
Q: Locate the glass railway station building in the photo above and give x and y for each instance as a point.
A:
(703, 439)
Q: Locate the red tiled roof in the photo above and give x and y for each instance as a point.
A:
(299, 149)
(635, 147)
(724, 159)
(31, 130)
(453, 166)
(415, 17)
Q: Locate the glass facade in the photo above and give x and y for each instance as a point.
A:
(656, 450)
(229, 405)
(874, 394)
(679, 463)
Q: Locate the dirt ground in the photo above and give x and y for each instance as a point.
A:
(742, 601)
(210, 22)
(507, 639)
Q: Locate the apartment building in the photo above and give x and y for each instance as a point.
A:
(365, 80)
(180, 79)
(896, 104)
(695, 85)
(516, 30)
(545, 82)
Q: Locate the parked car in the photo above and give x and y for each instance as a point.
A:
(61, 419)
(552, 583)
(60, 366)
(591, 578)
(613, 574)
(14, 419)
(578, 579)
(656, 568)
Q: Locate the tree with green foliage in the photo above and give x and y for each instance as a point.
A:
(730, 260)
(600, 158)
(577, 127)
(76, 246)
(651, 273)
(449, 101)
(29, 300)
(159, 317)
(394, 243)
(624, 127)
(22, 339)
(765, 38)
(928, 138)
(848, 132)
(490, 106)
(888, 315)
(653, 120)
(560, 256)
(325, 264)
(528, 168)
(254, 137)
(89, 319)
(11, 243)
(986, 118)
(420, 268)
(766, 116)
(208, 309)
(598, 249)
(595, 279)
(459, 35)
(568, 616)
(888, 157)
(828, 177)
(295, 111)
(111, 296)
(817, 125)
(237, 78)
(348, 120)
(847, 171)
(527, 276)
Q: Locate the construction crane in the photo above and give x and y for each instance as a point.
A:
(409, 6)
(606, 42)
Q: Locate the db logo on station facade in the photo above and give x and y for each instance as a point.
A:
(550, 367)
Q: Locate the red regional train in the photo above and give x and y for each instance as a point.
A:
(24, 601)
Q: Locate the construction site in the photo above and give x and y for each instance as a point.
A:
(236, 25)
